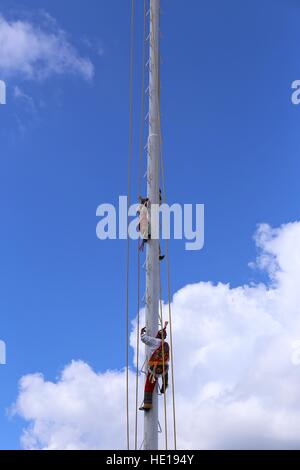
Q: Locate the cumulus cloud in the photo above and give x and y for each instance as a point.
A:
(39, 51)
(83, 410)
(237, 369)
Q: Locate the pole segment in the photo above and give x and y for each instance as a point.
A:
(152, 274)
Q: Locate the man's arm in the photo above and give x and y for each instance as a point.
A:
(149, 340)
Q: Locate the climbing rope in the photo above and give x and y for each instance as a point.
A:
(142, 125)
(157, 73)
(167, 254)
(171, 332)
(163, 358)
(128, 205)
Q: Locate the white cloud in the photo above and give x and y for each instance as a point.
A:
(236, 367)
(83, 410)
(37, 52)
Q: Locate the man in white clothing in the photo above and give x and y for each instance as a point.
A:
(158, 364)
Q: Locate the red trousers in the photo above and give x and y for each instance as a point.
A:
(149, 389)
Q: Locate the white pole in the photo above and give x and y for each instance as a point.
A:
(152, 276)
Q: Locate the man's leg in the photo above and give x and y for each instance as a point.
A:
(149, 389)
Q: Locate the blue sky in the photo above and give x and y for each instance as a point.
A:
(230, 142)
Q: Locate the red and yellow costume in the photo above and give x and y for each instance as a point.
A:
(158, 364)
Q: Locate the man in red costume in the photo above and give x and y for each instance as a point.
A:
(158, 364)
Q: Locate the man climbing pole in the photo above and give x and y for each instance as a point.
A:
(144, 225)
(158, 364)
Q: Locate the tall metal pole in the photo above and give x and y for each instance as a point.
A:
(152, 274)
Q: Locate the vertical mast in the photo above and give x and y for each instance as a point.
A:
(152, 274)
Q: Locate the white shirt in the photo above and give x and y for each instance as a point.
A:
(143, 220)
(152, 343)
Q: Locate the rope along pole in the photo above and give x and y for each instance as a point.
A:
(139, 257)
(163, 360)
(169, 285)
(170, 314)
(160, 289)
(159, 276)
(128, 205)
(170, 322)
(137, 356)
